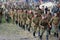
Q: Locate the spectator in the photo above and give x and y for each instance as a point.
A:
(46, 9)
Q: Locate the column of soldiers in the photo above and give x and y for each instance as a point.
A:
(42, 22)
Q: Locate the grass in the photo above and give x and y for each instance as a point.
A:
(4, 20)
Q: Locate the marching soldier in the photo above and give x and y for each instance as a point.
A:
(18, 13)
(30, 15)
(36, 21)
(55, 23)
(59, 18)
(21, 21)
(24, 17)
(49, 16)
(14, 16)
(11, 14)
(17, 17)
(20, 18)
(44, 23)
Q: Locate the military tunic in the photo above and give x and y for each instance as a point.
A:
(30, 15)
(36, 21)
(55, 23)
(24, 16)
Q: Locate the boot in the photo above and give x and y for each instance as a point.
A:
(57, 35)
(34, 33)
(29, 29)
(19, 25)
(40, 37)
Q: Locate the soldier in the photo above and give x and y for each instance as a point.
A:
(17, 17)
(20, 18)
(11, 14)
(30, 15)
(36, 21)
(44, 23)
(24, 17)
(49, 16)
(14, 16)
(55, 23)
(59, 18)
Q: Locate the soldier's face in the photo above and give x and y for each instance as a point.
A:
(43, 17)
(55, 14)
(48, 12)
(35, 15)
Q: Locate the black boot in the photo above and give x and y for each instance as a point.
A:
(19, 25)
(40, 37)
(16, 22)
(54, 34)
(57, 35)
(0, 22)
(26, 26)
(49, 31)
(34, 34)
(28, 29)
(23, 26)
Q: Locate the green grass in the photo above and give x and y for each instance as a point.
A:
(4, 20)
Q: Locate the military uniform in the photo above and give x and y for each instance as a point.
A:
(24, 17)
(16, 17)
(55, 24)
(36, 21)
(11, 14)
(30, 20)
(49, 16)
(21, 19)
(45, 24)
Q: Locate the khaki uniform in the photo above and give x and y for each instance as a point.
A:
(11, 14)
(45, 24)
(55, 23)
(14, 16)
(21, 19)
(49, 17)
(30, 20)
(24, 17)
(36, 21)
